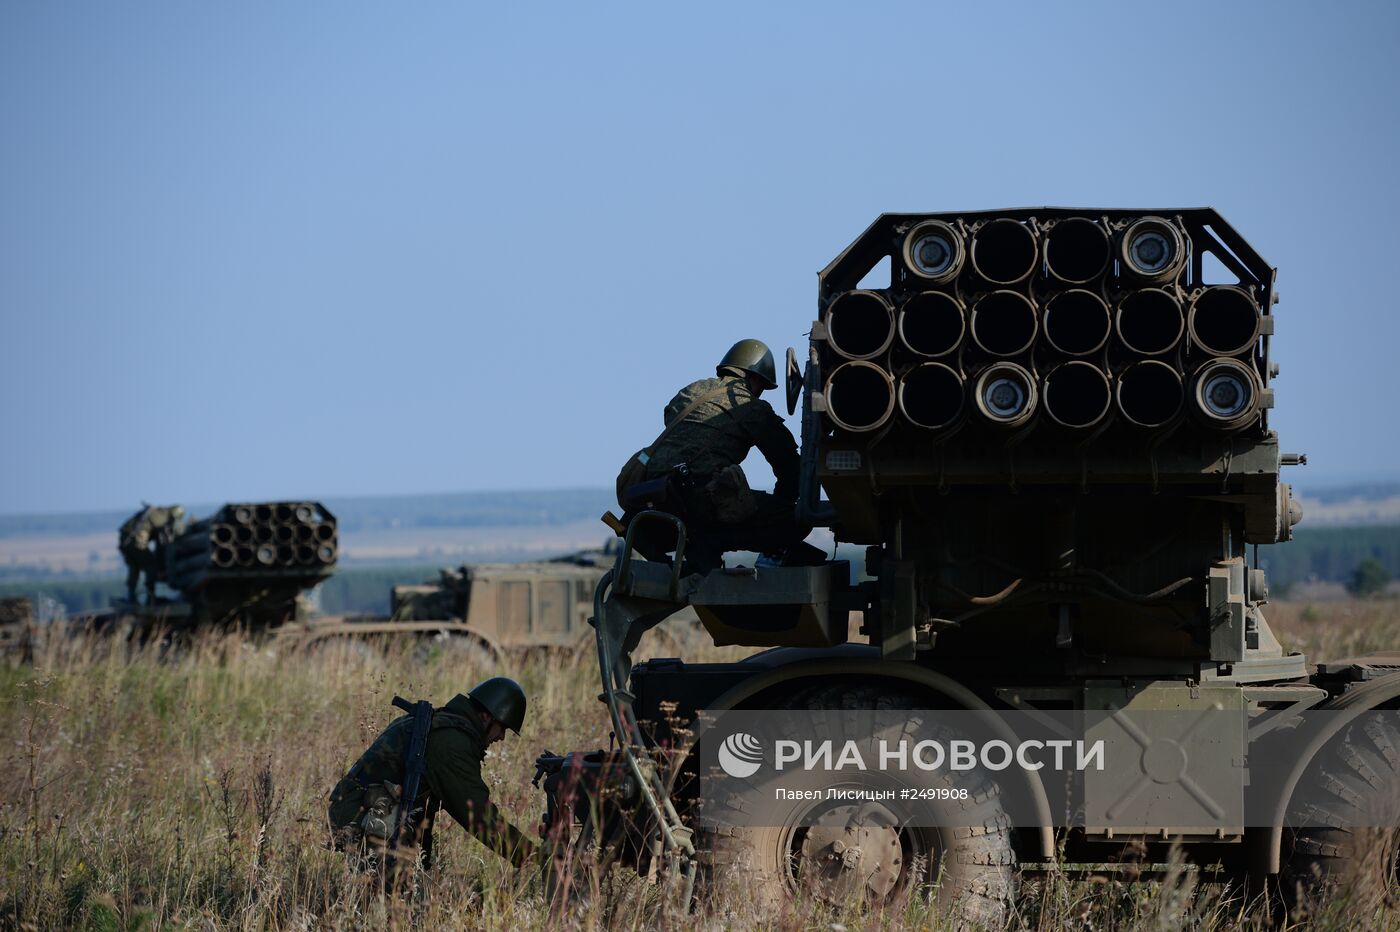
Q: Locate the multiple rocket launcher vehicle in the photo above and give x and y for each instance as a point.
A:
(266, 537)
(1049, 428)
(246, 564)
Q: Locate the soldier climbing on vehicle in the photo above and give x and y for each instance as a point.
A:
(425, 761)
(142, 540)
(693, 469)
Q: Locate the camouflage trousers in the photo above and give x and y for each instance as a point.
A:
(401, 871)
(771, 528)
(365, 843)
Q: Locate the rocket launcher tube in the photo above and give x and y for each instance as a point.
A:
(1076, 250)
(860, 324)
(1223, 321)
(1005, 395)
(931, 395)
(1077, 395)
(1003, 323)
(1152, 249)
(1149, 393)
(934, 250)
(1076, 322)
(931, 324)
(859, 396)
(1004, 251)
(1227, 394)
(1149, 322)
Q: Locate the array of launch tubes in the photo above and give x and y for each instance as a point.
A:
(285, 538)
(1077, 322)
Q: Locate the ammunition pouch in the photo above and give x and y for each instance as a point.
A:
(650, 494)
(730, 496)
(380, 814)
(667, 493)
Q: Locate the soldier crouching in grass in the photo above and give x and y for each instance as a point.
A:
(382, 810)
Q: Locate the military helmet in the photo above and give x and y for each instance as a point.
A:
(753, 357)
(503, 698)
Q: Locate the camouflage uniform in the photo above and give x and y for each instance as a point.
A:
(720, 512)
(152, 523)
(451, 781)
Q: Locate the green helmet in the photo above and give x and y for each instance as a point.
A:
(503, 699)
(753, 357)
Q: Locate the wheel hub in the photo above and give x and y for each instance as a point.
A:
(852, 852)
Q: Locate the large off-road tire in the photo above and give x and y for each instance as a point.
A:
(1349, 799)
(969, 869)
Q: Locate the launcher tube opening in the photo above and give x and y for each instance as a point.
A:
(1004, 251)
(1150, 322)
(1077, 250)
(931, 323)
(1149, 393)
(1077, 395)
(860, 324)
(1224, 321)
(931, 395)
(859, 396)
(1003, 323)
(1077, 322)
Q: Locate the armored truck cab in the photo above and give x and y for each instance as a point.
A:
(1050, 430)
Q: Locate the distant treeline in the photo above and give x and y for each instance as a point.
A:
(366, 591)
(1327, 554)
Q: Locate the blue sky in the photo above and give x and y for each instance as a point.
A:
(267, 250)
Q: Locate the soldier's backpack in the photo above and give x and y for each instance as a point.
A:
(386, 808)
(634, 471)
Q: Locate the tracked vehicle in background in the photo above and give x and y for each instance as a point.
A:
(532, 605)
(1050, 430)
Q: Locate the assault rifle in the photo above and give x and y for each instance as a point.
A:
(414, 758)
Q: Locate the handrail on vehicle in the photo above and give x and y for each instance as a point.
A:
(624, 559)
(653, 790)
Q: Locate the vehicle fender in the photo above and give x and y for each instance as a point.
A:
(1349, 706)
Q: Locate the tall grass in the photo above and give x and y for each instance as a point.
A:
(157, 787)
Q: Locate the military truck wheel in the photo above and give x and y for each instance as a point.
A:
(843, 852)
(1354, 782)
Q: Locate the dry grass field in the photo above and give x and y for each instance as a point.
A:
(185, 789)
